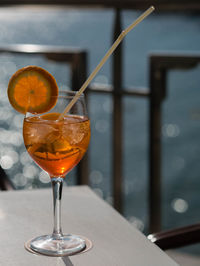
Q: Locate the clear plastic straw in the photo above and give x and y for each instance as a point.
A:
(104, 59)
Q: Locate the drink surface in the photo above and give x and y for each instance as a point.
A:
(56, 146)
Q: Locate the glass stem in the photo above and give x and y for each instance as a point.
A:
(57, 184)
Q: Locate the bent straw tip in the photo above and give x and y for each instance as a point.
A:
(152, 8)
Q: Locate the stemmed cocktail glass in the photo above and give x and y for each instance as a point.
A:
(57, 144)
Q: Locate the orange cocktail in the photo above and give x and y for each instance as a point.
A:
(56, 140)
(57, 143)
(56, 146)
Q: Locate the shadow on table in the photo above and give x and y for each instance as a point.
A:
(67, 261)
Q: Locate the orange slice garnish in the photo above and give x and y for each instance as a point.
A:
(31, 89)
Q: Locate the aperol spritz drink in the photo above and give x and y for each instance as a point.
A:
(57, 143)
(56, 135)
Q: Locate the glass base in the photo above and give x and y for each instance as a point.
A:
(63, 246)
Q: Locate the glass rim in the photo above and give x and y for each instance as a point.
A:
(63, 93)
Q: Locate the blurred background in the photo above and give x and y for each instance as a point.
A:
(91, 30)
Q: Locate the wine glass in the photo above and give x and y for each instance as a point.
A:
(57, 145)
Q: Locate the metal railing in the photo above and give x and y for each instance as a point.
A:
(160, 65)
(161, 5)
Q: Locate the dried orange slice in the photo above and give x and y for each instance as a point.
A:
(31, 89)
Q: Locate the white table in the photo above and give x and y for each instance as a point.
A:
(26, 214)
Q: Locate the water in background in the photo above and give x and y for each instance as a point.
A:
(91, 30)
